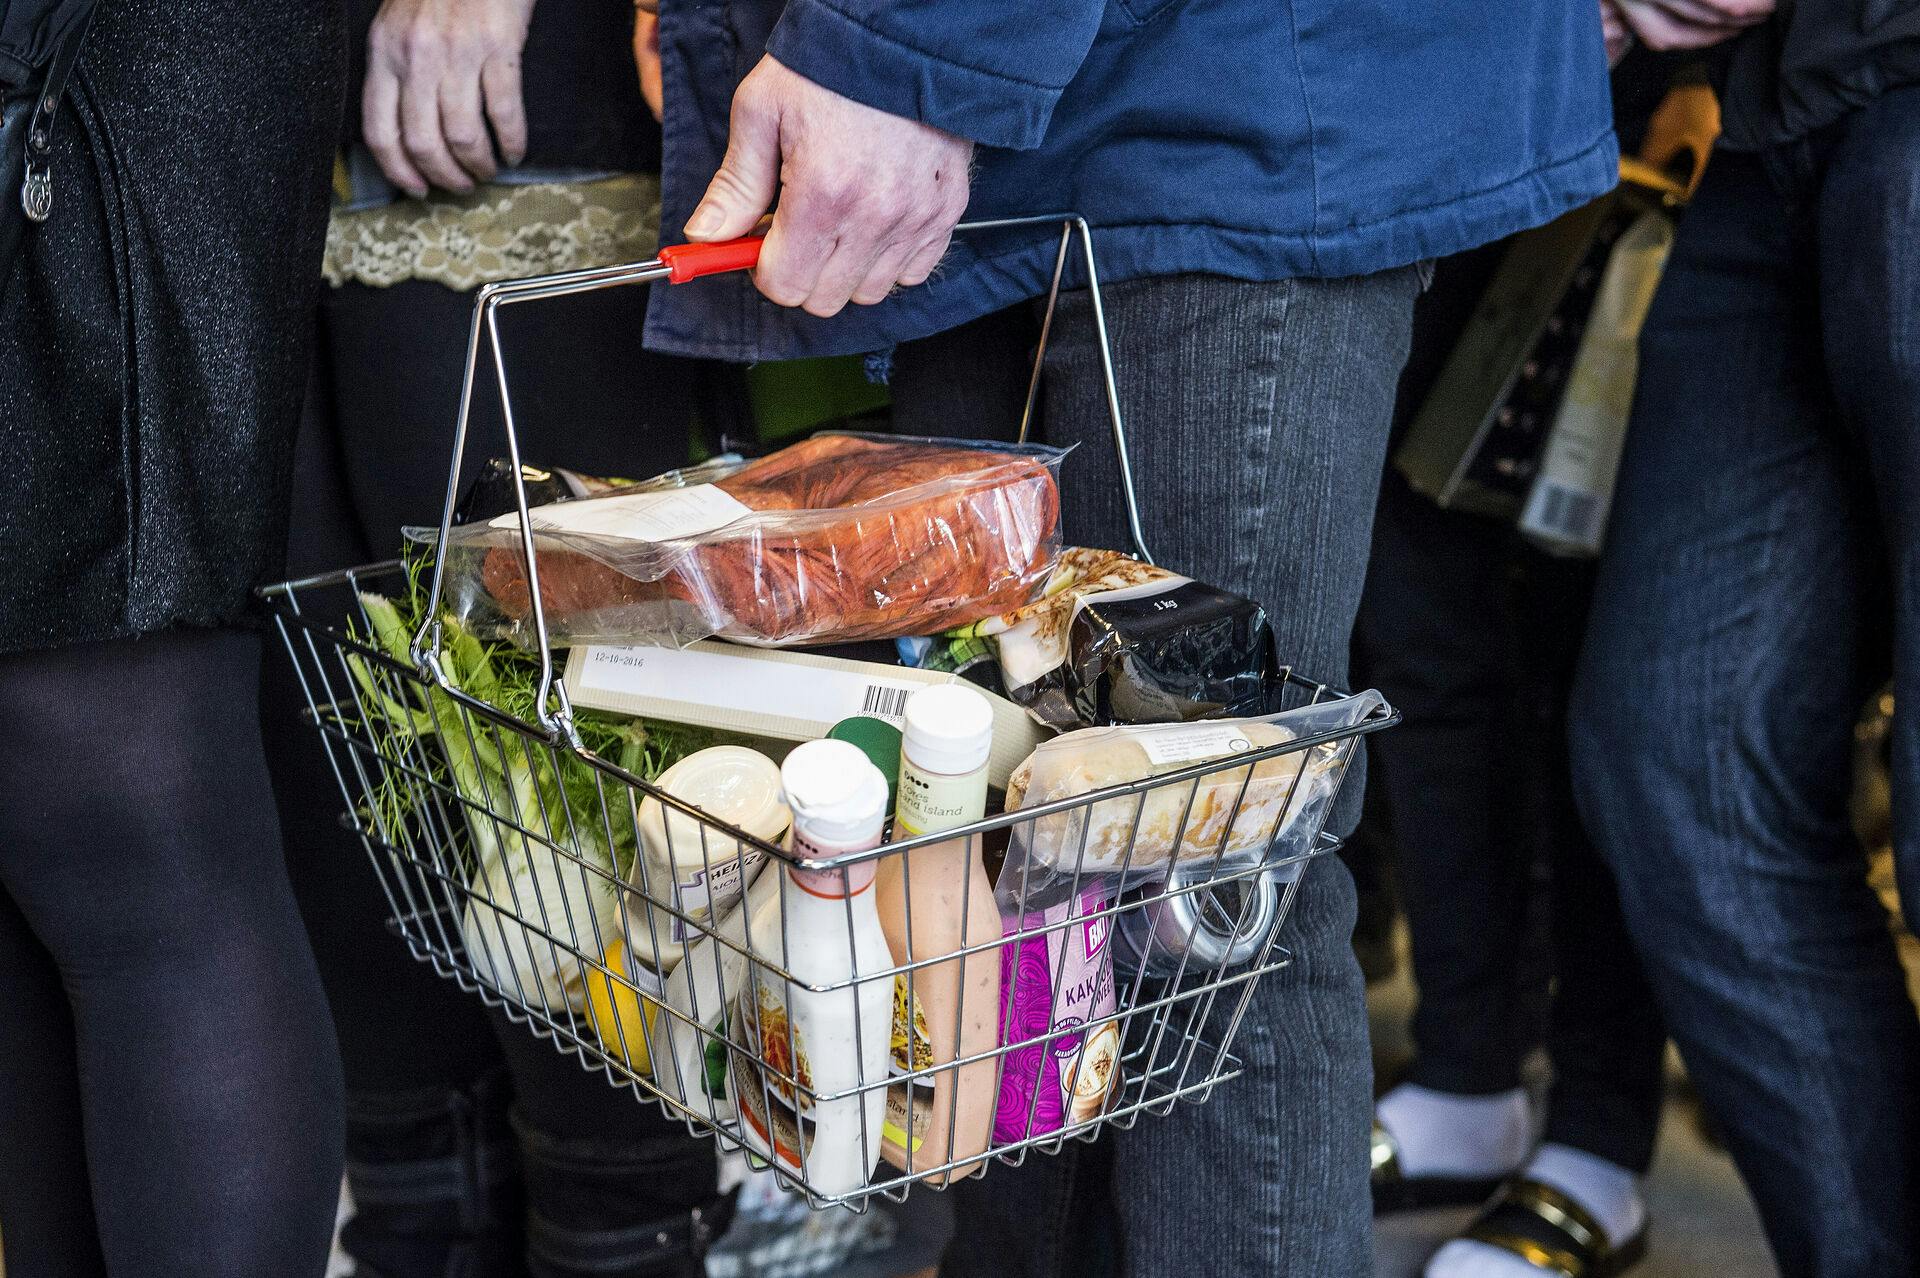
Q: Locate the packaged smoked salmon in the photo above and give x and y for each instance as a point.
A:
(834, 539)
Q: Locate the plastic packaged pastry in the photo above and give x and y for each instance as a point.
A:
(1239, 814)
(836, 538)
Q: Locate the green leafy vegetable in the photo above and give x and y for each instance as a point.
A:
(531, 806)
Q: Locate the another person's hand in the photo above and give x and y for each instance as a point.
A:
(868, 200)
(438, 71)
(646, 59)
(1614, 29)
(1690, 24)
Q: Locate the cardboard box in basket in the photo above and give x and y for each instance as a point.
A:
(771, 693)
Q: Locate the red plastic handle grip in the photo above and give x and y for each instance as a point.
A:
(690, 261)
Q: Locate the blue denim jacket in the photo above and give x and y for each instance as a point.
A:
(1262, 139)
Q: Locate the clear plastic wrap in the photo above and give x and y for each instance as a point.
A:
(834, 539)
(1116, 640)
(1239, 814)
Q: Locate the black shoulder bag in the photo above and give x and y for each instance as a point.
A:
(39, 43)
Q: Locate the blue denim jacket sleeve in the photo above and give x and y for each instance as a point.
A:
(982, 69)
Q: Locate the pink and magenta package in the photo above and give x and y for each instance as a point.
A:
(1058, 981)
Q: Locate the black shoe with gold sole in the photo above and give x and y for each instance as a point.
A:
(1394, 1190)
(1551, 1232)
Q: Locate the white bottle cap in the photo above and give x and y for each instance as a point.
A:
(838, 797)
(949, 730)
(738, 785)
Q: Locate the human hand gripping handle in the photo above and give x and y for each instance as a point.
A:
(868, 200)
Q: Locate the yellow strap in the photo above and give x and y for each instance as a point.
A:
(1560, 1211)
(1687, 122)
(1553, 1260)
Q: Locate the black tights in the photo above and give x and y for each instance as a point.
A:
(169, 1094)
(440, 1171)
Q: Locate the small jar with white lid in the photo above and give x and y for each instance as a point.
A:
(691, 865)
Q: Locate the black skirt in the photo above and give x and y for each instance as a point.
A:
(155, 331)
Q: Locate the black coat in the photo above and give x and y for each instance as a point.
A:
(155, 332)
(1814, 61)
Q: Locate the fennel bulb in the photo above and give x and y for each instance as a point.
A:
(531, 912)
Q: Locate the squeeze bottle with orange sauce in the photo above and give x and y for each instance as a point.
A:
(936, 900)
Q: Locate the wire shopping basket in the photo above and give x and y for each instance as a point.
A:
(507, 852)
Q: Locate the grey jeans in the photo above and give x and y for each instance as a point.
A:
(1258, 415)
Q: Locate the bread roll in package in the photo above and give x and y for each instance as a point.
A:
(833, 539)
(1230, 817)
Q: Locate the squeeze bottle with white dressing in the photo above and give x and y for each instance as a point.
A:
(938, 897)
(820, 1042)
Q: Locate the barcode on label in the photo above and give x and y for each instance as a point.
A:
(885, 702)
(1569, 512)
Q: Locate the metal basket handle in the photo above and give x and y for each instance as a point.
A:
(677, 265)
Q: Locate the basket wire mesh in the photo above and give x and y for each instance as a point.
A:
(512, 859)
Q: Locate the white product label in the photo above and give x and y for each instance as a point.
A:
(744, 684)
(703, 895)
(1568, 507)
(651, 516)
(1145, 590)
(645, 979)
(930, 803)
(1190, 742)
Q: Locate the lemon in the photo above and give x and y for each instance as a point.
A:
(619, 1016)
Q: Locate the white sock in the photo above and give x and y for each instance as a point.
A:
(1610, 1193)
(1447, 1134)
